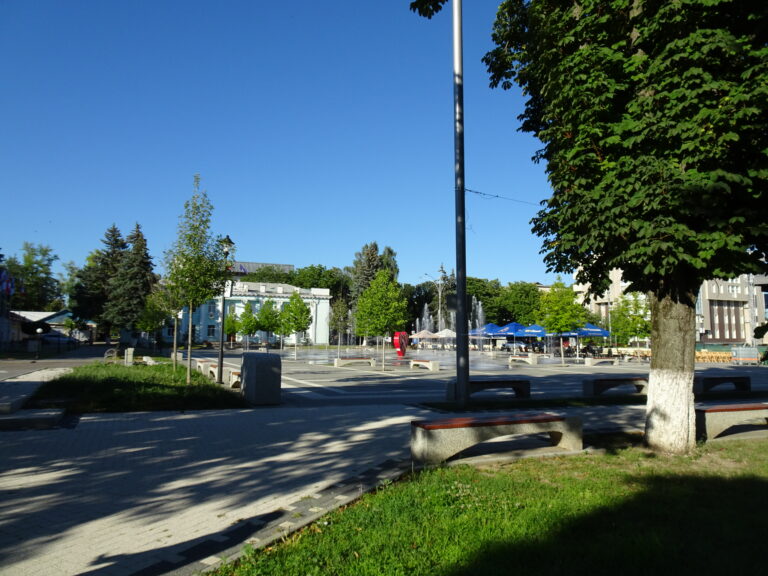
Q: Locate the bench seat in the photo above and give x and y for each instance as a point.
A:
(705, 384)
(338, 362)
(596, 386)
(434, 441)
(431, 365)
(711, 421)
(522, 388)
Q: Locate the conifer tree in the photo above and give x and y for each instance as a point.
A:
(131, 284)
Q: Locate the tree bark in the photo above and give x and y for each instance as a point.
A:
(189, 347)
(670, 424)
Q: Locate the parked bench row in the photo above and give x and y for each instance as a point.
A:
(229, 376)
(701, 385)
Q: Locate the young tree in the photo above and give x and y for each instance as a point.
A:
(249, 325)
(268, 319)
(231, 324)
(131, 284)
(197, 263)
(381, 309)
(339, 320)
(652, 116)
(295, 317)
(154, 314)
(560, 312)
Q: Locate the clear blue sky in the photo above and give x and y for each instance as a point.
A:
(316, 127)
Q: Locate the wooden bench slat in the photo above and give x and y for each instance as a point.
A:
(471, 422)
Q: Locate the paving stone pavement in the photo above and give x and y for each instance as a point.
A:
(175, 493)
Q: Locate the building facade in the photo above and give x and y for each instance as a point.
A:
(206, 320)
(727, 311)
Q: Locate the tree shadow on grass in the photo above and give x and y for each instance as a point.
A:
(677, 524)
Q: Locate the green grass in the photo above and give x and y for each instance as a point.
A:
(624, 511)
(102, 387)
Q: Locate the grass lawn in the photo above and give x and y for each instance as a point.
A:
(624, 510)
(102, 387)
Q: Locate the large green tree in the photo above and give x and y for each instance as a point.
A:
(197, 262)
(518, 302)
(630, 318)
(131, 284)
(36, 287)
(91, 287)
(367, 263)
(652, 119)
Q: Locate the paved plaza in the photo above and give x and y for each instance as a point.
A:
(171, 492)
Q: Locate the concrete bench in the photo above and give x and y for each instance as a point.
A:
(434, 441)
(591, 361)
(212, 371)
(431, 365)
(597, 386)
(711, 421)
(202, 366)
(705, 384)
(522, 388)
(338, 362)
(532, 359)
(233, 378)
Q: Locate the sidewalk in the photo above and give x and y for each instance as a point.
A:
(170, 492)
(151, 493)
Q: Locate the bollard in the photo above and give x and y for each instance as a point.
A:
(260, 376)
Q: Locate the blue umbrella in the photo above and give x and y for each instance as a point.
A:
(509, 329)
(533, 330)
(592, 330)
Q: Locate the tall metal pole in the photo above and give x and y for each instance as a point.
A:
(460, 391)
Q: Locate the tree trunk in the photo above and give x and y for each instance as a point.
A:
(670, 420)
(175, 341)
(189, 346)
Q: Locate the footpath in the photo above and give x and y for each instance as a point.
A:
(175, 493)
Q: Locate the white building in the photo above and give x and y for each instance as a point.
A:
(206, 320)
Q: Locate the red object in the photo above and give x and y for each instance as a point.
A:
(401, 343)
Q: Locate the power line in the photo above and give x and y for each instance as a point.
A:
(499, 197)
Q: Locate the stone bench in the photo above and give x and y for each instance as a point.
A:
(202, 366)
(522, 388)
(596, 386)
(338, 362)
(532, 359)
(705, 384)
(592, 361)
(431, 365)
(434, 441)
(711, 421)
(233, 377)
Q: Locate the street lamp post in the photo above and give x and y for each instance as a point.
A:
(39, 343)
(227, 245)
(439, 285)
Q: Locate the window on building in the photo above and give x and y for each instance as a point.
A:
(211, 330)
